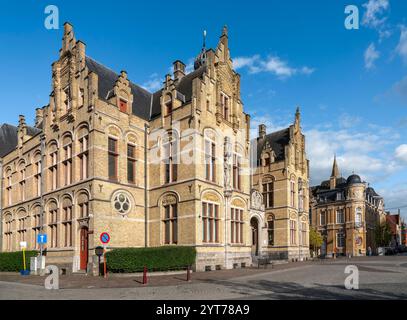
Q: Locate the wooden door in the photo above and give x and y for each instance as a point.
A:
(84, 249)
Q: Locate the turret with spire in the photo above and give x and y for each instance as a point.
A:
(335, 174)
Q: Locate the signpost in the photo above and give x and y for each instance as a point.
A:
(99, 252)
(24, 272)
(41, 240)
(105, 239)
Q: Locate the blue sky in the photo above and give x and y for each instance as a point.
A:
(351, 85)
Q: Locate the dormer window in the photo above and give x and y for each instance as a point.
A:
(168, 108)
(267, 161)
(123, 105)
(225, 106)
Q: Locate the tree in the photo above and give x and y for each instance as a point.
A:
(315, 239)
(383, 235)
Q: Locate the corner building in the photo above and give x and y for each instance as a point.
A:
(151, 169)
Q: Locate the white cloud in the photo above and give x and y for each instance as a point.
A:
(371, 55)
(401, 153)
(362, 150)
(272, 64)
(153, 84)
(402, 45)
(375, 10)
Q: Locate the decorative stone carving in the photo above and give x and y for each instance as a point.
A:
(257, 201)
(121, 203)
(169, 199)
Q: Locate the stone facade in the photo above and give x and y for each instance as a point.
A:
(281, 177)
(151, 169)
(346, 212)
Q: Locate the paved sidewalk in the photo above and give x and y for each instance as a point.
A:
(380, 278)
(117, 281)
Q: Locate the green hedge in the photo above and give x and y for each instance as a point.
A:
(129, 260)
(13, 261)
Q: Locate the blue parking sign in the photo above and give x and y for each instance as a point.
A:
(42, 238)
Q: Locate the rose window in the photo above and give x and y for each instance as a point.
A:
(121, 203)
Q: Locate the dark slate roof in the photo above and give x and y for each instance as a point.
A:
(354, 178)
(107, 80)
(277, 141)
(184, 86)
(146, 105)
(9, 137)
(370, 191)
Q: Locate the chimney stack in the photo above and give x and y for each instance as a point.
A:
(179, 70)
(39, 117)
(262, 131)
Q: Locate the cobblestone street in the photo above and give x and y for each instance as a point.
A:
(380, 278)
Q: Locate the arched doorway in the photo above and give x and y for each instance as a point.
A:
(84, 241)
(254, 223)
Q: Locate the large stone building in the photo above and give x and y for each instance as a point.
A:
(281, 175)
(151, 169)
(346, 212)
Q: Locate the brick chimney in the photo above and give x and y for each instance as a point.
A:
(39, 117)
(179, 70)
(262, 131)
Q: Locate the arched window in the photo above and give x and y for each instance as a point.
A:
(236, 225)
(22, 227)
(170, 220)
(224, 100)
(21, 179)
(83, 140)
(67, 160)
(67, 222)
(237, 168)
(37, 173)
(36, 220)
(211, 217)
(270, 230)
(53, 225)
(210, 157)
(9, 187)
(83, 205)
(113, 156)
(292, 192)
(268, 192)
(8, 232)
(53, 166)
(170, 157)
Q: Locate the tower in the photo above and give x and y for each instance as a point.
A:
(335, 174)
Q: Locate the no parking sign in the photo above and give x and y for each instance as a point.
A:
(105, 238)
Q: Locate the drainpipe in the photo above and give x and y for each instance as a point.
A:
(146, 127)
(42, 208)
(1, 205)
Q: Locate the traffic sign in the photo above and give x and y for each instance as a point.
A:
(105, 237)
(23, 244)
(42, 238)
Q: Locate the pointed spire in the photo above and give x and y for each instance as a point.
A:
(335, 169)
(297, 117)
(204, 41)
(225, 30)
(201, 58)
